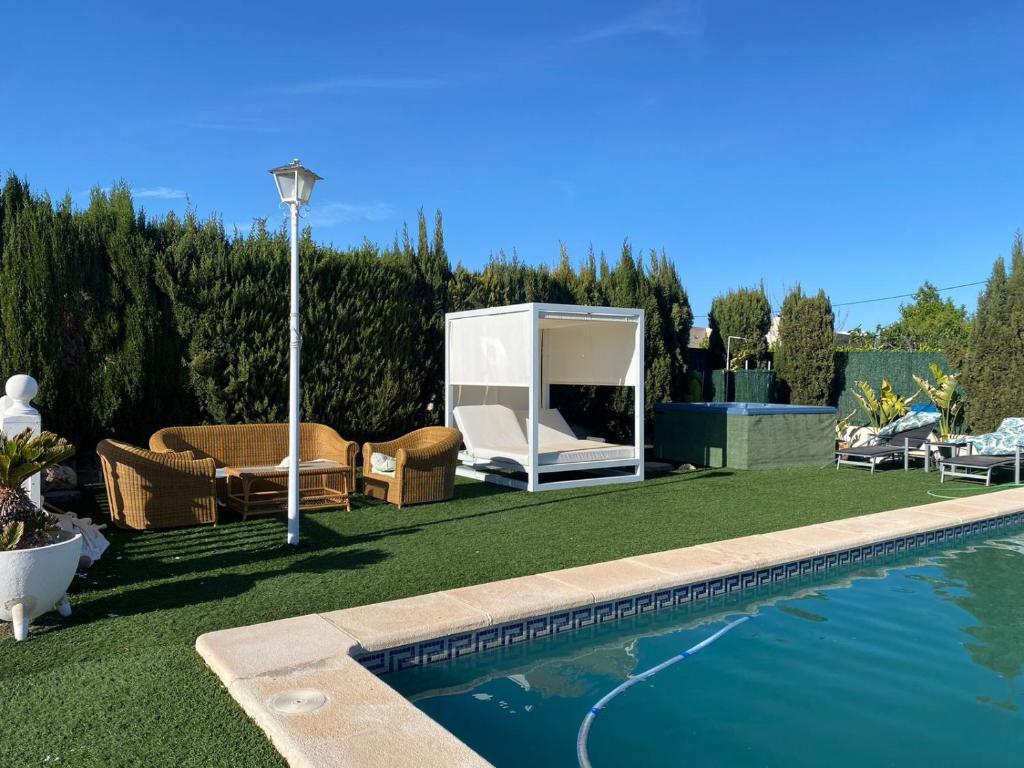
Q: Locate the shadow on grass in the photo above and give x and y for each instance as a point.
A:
(208, 563)
(662, 482)
(211, 587)
(157, 570)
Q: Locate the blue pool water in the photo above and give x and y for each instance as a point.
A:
(914, 662)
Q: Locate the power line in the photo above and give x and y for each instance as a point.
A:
(898, 296)
(908, 295)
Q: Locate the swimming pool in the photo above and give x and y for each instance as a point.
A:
(909, 661)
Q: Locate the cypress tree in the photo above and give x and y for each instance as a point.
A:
(805, 357)
(746, 313)
(674, 315)
(995, 354)
(432, 275)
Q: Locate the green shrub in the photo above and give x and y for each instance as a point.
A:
(746, 313)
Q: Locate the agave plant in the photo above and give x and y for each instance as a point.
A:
(22, 523)
(884, 407)
(945, 395)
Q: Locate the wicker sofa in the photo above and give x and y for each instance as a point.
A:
(253, 445)
(424, 471)
(148, 490)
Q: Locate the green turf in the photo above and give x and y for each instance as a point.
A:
(119, 683)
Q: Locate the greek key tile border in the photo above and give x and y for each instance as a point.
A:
(453, 646)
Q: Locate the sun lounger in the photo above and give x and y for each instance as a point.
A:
(979, 467)
(898, 445)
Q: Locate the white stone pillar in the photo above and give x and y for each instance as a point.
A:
(17, 415)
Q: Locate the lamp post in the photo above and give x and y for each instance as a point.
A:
(728, 350)
(294, 185)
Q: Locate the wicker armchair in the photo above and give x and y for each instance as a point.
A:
(425, 469)
(157, 490)
(255, 445)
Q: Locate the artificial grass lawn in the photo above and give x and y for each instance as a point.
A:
(119, 683)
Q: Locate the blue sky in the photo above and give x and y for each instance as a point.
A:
(859, 147)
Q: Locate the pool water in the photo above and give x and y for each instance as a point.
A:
(914, 662)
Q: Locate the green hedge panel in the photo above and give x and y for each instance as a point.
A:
(744, 386)
(898, 367)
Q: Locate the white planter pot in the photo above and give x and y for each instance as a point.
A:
(32, 581)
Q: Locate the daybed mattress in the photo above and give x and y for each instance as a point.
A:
(559, 453)
(497, 433)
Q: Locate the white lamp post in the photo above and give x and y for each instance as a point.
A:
(728, 350)
(294, 185)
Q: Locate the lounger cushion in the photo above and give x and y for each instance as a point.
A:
(906, 423)
(1003, 441)
(489, 428)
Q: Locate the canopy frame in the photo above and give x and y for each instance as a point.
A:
(534, 317)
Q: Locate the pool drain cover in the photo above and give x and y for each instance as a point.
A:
(298, 701)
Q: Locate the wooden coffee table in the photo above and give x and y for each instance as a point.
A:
(265, 500)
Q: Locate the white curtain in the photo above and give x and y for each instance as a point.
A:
(592, 352)
(490, 350)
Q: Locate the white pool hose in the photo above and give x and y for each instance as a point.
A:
(581, 738)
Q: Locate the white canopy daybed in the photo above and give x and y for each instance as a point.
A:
(500, 364)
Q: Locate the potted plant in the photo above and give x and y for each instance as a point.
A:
(37, 560)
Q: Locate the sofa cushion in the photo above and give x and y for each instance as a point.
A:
(382, 463)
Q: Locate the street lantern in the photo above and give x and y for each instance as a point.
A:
(294, 185)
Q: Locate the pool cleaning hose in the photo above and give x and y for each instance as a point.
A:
(581, 738)
(942, 490)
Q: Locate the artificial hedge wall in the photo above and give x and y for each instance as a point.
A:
(132, 323)
(898, 367)
(754, 385)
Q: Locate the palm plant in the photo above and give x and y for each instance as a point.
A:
(884, 407)
(945, 396)
(22, 523)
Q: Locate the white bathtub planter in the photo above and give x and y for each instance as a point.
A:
(34, 581)
(37, 559)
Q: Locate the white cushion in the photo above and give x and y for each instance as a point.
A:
(486, 427)
(382, 463)
(553, 428)
(496, 432)
(573, 451)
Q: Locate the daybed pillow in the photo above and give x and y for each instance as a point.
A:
(382, 463)
(553, 428)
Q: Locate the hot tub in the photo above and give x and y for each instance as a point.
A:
(745, 435)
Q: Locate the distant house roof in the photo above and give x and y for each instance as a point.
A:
(698, 337)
